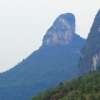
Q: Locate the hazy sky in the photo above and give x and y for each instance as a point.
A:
(23, 24)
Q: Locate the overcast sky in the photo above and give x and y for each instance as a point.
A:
(23, 24)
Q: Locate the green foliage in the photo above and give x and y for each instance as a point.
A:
(83, 88)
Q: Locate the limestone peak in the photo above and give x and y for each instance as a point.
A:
(62, 30)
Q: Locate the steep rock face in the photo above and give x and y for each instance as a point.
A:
(90, 53)
(62, 30)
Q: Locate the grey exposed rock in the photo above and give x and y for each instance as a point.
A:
(62, 30)
(96, 60)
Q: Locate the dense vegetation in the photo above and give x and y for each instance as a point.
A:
(86, 87)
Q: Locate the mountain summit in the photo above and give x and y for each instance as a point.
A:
(54, 62)
(62, 30)
(90, 53)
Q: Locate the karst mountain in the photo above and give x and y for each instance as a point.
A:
(90, 53)
(55, 61)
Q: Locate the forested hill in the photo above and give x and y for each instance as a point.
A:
(86, 87)
(90, 53)
(55, 61)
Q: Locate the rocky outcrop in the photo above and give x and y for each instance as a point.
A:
(62, 30)
(96, 60)
(90, 53)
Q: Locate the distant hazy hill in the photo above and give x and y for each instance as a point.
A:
(55, 61)
(86, 87)
(90, 53)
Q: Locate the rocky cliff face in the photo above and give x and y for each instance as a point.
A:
(90, 53)
(62, 30)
